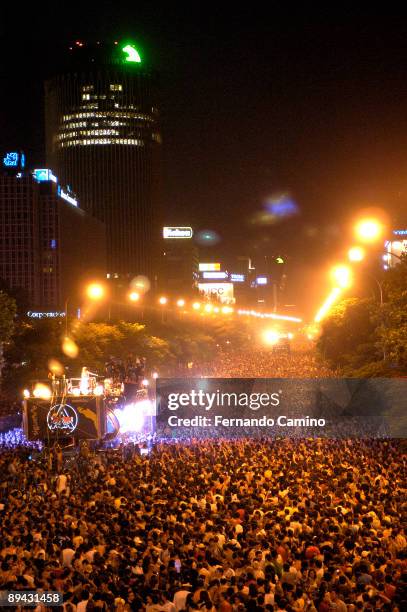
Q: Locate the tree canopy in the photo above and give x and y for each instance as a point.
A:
(362, 337)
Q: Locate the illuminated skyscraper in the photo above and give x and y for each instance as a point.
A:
(103, 137)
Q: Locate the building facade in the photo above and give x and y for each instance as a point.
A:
(179, 268)
(102, 135)
(49, 247)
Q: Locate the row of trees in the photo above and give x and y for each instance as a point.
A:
(363, 337)
(168, 347)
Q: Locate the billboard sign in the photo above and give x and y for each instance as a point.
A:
(177, 232)
(214, 275)
(44, 174)
(237, 278)
(209, 267)
(219, 291)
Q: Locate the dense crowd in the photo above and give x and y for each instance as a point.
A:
(262, 364)
(284, 525)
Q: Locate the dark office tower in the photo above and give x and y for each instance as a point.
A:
(103, 138)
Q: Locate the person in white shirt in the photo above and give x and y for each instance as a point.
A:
(67, 555)
(180, 598)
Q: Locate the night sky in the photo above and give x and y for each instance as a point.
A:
(252, 104)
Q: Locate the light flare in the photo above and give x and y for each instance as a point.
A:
(327, 305)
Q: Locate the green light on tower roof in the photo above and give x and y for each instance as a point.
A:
(132, 54)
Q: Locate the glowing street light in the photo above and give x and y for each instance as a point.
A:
(180, 303)
(369, 230)
(356, 254)
(95, 291)
(196, 306)
(208, 308)
(163, 301)
(342, 276)
(134, 296)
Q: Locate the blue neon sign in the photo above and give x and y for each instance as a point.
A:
(44, 174)
(41, 175)
(67, 197)
(11, 159)
(237, 278)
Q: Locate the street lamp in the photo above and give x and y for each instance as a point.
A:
(369, 229)
(196, 306)
(163, 302)
(180, 303)
(356, 254)
(134, 296)
(95, 291)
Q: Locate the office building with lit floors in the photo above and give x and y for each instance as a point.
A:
(178, 271)
(49, 247)
(102, 134)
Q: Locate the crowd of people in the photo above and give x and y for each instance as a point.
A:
(131, 370)
(289, 524)
(259, 363)
(285, 525)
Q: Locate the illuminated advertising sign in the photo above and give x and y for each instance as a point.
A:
(220, 291)
(209, 267)
(214, 275)
(44, 174)
(237, 278)
(14, 159)
(33, 314)
(131, 53)
(177, 232)
(261, 280)
(67, 197)
(400, 232)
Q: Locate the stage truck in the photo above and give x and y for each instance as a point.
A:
(66, 410)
